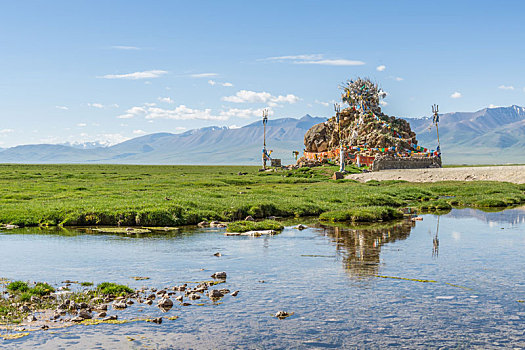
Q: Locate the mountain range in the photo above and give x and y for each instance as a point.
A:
(210, 145)
(488, 136)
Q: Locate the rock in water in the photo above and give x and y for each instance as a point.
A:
(282, 315)
(219, 275)
(165, 303)
(84, 314)
(215, 294)
(119, 304)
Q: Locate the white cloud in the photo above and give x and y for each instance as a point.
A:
(383, 103)
(180, 128)
(139, 132)
(337, 62)
(182, 112)
(326, 104)
(148, 74)
(456, 94)
(6, 131)
(100, 105)
(381, 68)
(132, 112)
(295, 57)
(315, 59)
(203, 75)
(81, 125)
(493, 106)
(234, 127)
(246, 96)
(398, 79)
(151, 104)
(243, 113)
(504, 87)
(213, 83)
(166, 100)
(124, 47)
(64, 108)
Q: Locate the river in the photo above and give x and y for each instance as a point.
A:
(450, 281)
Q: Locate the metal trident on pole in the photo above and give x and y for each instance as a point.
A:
(435, 120)
(337, 108)
(265, 121)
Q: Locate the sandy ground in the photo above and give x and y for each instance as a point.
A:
(514, 173)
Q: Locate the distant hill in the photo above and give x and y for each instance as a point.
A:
(211, 145)
(490, 135)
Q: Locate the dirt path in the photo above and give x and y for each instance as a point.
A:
(514, 173)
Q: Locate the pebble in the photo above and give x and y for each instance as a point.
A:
(110, 318)
(84, 314)
(219, 275)
(157, 320)
(119, 304)
(203, 224)
(194, 296)
(77, 319)
(282, 314)
(234, 294)
(102, 314)
(215, 294)
(165, 303)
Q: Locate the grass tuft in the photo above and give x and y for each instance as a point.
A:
(245, 226)
(107, 288)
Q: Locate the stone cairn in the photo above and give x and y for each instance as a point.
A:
(365, 130)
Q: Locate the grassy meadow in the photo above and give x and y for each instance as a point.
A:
(180, 195)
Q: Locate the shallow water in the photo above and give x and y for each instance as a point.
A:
(328, 277)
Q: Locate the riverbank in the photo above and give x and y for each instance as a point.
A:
(126, 195)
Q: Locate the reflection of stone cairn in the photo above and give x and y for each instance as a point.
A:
(362, 247)
(362, 123)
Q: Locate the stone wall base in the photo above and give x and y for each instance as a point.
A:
(388, 162)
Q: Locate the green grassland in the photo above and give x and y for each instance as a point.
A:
(180, 195)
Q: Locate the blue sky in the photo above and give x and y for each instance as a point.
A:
(75, 71)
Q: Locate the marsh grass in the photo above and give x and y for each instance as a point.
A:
(362, 214)
(109, 288)
(245, 226)
(128, 195)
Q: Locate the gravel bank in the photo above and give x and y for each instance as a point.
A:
(514, 173)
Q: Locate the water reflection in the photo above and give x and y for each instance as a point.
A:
(492, 216)
(360, 246)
